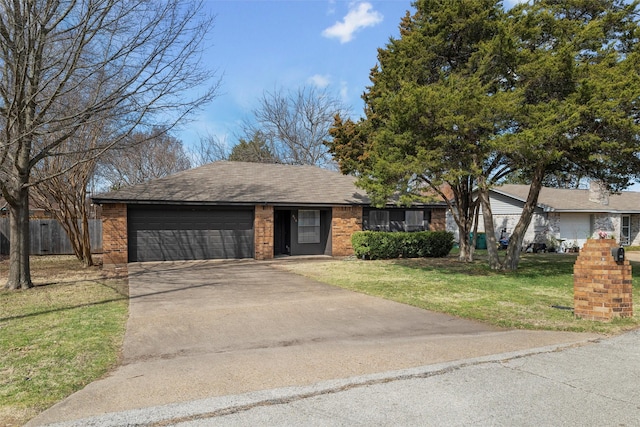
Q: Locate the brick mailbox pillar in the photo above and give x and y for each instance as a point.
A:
(602, 288)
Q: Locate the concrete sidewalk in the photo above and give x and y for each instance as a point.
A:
(590, 385)
(204, 329)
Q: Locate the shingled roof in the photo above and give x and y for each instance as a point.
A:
(240, 183)
(574, 200)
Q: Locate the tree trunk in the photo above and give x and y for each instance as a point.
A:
(464, 213)
(78, 232)
(87, 258)
(473, 244)
(467, 244)
(19, 269)
(78, 235)
(515, 241)
(466, 253)
(489, 229)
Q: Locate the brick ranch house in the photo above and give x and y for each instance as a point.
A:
(247, 210)
(568, 217)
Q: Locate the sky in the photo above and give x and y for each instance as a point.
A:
(259, 46)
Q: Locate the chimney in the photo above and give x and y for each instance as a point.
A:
(598, 193)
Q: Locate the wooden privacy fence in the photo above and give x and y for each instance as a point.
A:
(47, 237)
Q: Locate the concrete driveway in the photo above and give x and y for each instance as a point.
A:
(210, 328)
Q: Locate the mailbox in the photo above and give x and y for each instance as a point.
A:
(618, 254)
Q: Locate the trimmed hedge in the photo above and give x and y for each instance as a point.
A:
(387, 245)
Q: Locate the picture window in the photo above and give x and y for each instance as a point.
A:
(309, 226)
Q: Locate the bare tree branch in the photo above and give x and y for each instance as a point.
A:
(296, 124)
(147, 156)
(209, 149)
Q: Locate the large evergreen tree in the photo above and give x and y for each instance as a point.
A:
(470, 94)
(576, 63)
(255, 150)
(432, 112)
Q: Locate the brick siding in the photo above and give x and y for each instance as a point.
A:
(438, 220)
(345, 220)
(114, 235)
(602, 287)
(263, 232)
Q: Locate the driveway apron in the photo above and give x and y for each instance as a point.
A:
(210, 328)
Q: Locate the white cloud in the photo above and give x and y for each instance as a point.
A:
(319, 80)
(344, 92)
(360, 15)
(332, 7)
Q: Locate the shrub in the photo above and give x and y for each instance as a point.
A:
(386, 245)
(437, 244)
(376, 245)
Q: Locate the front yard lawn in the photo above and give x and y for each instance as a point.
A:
(57, 337)
(523, 299)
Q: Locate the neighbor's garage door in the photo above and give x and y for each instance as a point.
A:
(171, 233)
(575, 228)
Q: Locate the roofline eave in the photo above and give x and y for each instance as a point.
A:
(610, 211)
(101, 201)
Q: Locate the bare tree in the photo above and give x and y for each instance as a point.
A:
(143, 157)
(128, 62)
(209, 149)
(295, 125)
(64, 191)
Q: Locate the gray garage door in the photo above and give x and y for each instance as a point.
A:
(171, 233)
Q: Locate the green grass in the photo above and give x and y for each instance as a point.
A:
(57, 337)
(522, 299)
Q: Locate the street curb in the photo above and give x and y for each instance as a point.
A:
(174, 413)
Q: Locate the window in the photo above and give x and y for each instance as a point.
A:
(414, 220)
(625, 230)
(309, 226)
(379, 220)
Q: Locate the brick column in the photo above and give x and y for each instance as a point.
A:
(602, 287)
(263, 231)
(345, 220)
(115, 254)
(438, 219)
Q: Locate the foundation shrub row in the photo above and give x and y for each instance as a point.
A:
(387, 245)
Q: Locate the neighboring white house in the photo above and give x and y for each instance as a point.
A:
(567, 216)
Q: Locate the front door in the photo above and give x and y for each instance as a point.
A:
(282, 233)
